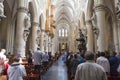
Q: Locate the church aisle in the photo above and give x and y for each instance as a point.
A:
(58, 71)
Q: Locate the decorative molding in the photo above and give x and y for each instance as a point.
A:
(100, 7)
(35, 24)
(22, 9)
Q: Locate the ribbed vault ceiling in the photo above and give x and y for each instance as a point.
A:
(64, 11)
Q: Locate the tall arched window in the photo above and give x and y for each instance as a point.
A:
(63, 32)
(60, 33)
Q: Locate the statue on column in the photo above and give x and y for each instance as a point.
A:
(82, 41)
(95, 28)
(27, 25)
(118, 9)
(27, 22)
(2, 9)
(38, 36)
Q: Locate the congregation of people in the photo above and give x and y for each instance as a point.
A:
(80, 65)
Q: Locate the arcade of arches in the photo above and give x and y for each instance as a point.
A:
(53, 25)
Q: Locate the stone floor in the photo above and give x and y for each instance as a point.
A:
(58, 71)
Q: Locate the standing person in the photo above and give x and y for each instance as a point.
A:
(90, 70)
(45, 59)
(73, 65)
(37, 56)
(16, 71)
(104, 62)
(114, 63)
(118, 56)
(2, 59)
(29, 58)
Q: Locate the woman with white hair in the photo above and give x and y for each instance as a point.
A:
(2, 59)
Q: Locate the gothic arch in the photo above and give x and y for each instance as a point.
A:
(110, 18)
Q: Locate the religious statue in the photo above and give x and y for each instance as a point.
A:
(27, 22)
(118, 9)
(95, 28)
(27, 25)
(82, 41)
(2, 9)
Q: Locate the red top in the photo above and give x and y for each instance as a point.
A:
(5, 70)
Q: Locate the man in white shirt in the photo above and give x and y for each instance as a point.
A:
(45, 59)
(37, 56)
(16, 71)
(90, 70)
(103, 61)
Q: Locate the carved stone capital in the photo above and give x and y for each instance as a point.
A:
(22, 9)
(35, 24)
(100, 8)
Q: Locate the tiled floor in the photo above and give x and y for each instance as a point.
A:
(58, 71)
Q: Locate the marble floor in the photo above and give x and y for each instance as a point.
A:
(58, 71)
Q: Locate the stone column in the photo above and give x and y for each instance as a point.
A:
(101, 24)
(42, 40)
(88, 16)
(119, 33)
(89, 35)
(47, 40)
(19, 41)
(34, 45)
(10, 38)
(115, 35)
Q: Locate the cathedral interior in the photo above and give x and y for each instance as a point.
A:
(56, 25)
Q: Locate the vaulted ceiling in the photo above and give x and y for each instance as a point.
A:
(64, 11)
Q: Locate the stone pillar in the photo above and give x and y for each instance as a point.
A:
(10, 38)
(89, 35)
(19, 41)
(47, 40)
(115, 35)
(34, 45)
(101, 24)
(42, 40)
(49, 44)
(119, 33)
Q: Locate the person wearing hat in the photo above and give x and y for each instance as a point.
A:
(90, 70)
(16, 71)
